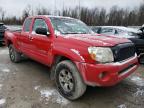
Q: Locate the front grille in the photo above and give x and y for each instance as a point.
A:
(123, 51)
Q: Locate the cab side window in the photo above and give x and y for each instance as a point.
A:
(109, 31)
(39, 23)
(106, 30)
(120, 31)
(27, 25)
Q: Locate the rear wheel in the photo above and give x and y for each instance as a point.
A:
(69, 81)
(14, 55)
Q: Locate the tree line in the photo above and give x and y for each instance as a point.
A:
(94, 17)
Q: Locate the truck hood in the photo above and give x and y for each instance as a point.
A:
(97, 39)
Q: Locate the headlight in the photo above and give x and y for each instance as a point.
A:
(101, 54)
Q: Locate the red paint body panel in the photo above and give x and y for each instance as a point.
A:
(91, 72)
(75, 47)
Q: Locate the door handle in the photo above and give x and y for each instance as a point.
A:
(30, 38)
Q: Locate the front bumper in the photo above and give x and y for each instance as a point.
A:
(113, 72)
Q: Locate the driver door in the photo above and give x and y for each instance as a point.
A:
(41, 44)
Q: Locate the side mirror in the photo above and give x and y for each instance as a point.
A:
(42, 31)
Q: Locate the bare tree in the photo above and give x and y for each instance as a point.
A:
(42, 11)
(27, 12)
(141, 15)
(2, 14)
(102, 17)
(95, 16)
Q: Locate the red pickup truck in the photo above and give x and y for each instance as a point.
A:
(76, 55)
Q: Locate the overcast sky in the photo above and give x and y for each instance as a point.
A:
(15, 7)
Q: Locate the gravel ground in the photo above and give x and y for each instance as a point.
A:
(27, 85)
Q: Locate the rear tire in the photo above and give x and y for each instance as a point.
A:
(14, 55)
(69, 81)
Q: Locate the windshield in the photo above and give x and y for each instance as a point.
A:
(70, 26)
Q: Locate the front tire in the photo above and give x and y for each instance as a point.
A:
(69, 81)
(14, 55)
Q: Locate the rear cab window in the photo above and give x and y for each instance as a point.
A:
(27, 25)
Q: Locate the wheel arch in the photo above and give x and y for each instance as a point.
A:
(57, 59)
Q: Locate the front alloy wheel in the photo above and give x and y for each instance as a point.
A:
(69, 81)
(66, 80)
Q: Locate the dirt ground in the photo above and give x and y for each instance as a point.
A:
(27, 85)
